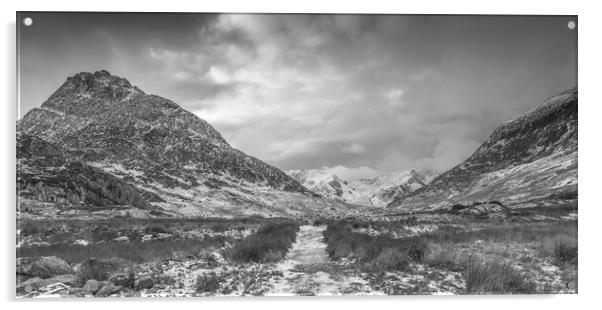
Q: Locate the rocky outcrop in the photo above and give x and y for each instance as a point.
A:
(44, 174)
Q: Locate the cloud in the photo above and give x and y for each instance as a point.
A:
(394, 97)
(355, 148)
(384, 93)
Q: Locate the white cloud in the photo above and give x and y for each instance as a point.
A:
(394, 97)
(218, 75)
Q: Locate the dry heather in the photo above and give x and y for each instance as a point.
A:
(500, 259)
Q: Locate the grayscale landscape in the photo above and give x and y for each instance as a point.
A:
(301, 155)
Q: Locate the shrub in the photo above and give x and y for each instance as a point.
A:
(416, 249)
(103, 233)
(155, 229)
(564, 250)
(269, 244)
(445, 258)
(219, 228)
(388, 259)
(495, 277)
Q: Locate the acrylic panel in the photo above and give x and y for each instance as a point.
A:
(201, 155)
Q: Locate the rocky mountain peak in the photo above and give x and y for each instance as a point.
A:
(98, 85)
(102, 119)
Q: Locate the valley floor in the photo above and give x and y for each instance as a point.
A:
(533, 251)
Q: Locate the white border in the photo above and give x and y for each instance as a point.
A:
(589, 149)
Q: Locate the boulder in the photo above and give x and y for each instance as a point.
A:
(144, 282)
(91, 287)
(49, 266)
(122, 278)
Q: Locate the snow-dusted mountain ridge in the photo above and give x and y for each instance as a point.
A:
(377, 191)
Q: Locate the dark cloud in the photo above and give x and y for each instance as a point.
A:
(369, 92)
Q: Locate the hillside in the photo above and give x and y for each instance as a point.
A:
(531, 158)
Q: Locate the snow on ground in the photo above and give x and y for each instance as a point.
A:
(307, 270)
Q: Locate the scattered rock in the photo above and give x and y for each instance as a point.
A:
(122, 239)
(36, 283)
(49, 266)
(108, 289)
(163, 236)
(78, 292)
(122, 278)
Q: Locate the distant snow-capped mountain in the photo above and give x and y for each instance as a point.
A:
(383, 189)
(377, 191)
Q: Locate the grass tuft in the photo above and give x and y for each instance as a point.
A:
(268, 245)
(378, 254)
(495, 278)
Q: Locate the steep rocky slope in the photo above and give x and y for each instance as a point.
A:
(149, 152)
(377, 191)
(102, 118)
(44, 175)
(531, 158)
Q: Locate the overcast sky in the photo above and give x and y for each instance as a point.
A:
(371, 94)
